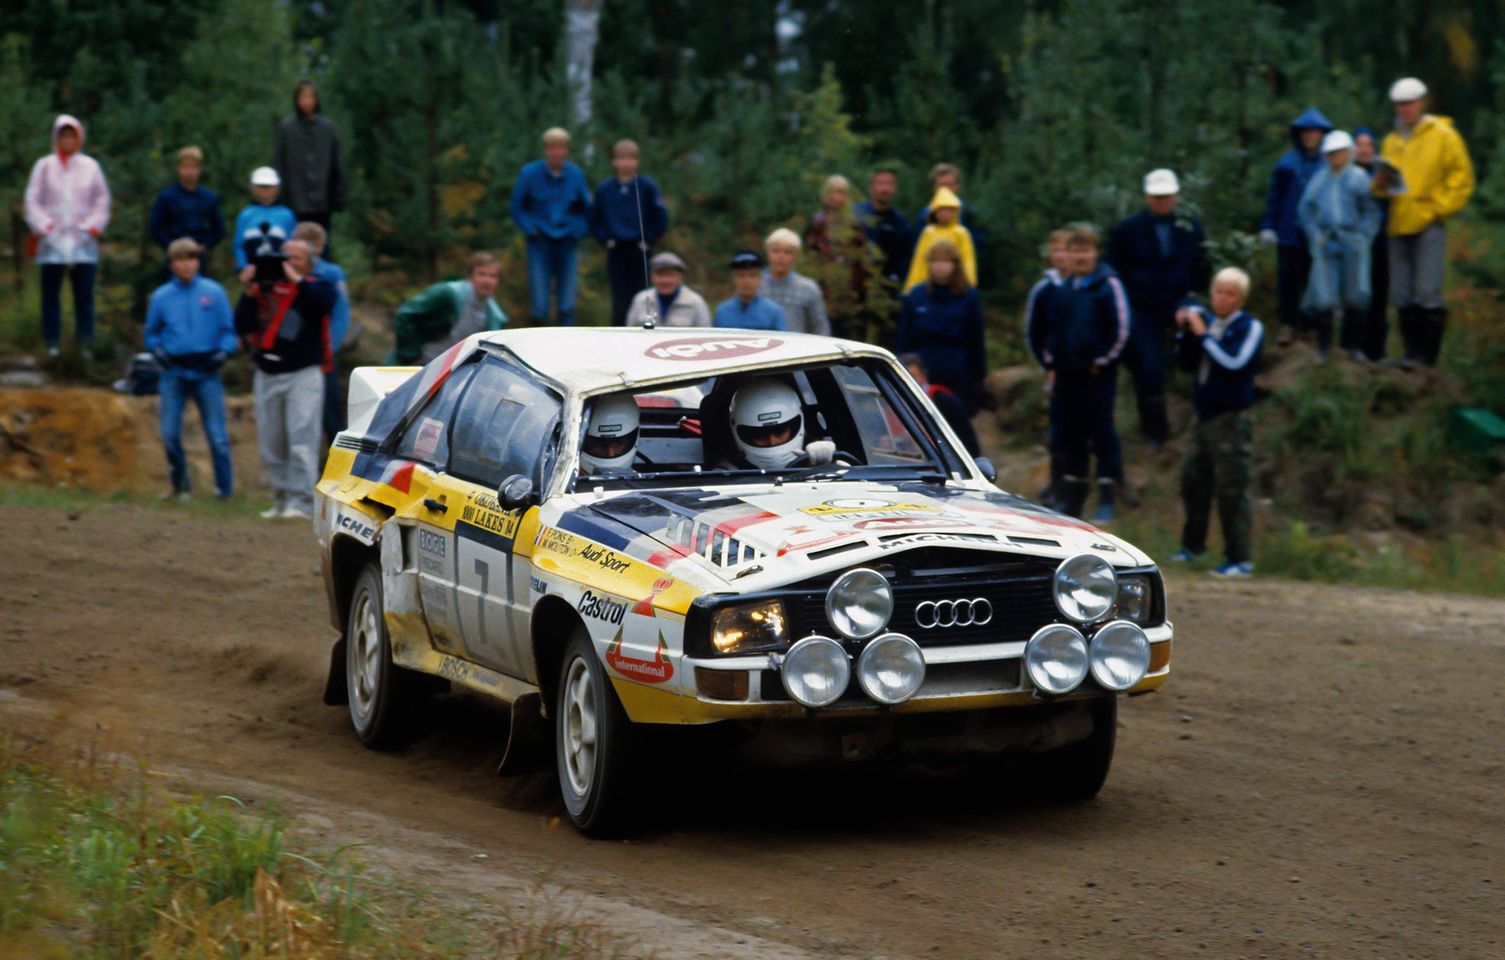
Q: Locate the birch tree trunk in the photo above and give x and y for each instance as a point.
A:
(581, 20)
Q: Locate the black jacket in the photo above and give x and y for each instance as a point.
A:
(1158, 283)
(308, 159)
(287, 324)
(1081, 323)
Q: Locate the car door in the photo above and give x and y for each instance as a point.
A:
(507, 424)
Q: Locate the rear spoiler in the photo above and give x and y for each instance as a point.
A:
(368, 385)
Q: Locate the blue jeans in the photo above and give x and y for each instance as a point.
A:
(176, 385)
(551, 268)
(81, 276)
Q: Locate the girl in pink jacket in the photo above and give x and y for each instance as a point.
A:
(67, 208)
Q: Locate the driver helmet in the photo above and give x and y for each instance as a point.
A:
(768, 423)
(612, 437)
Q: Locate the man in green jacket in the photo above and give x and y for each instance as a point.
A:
(448, 312)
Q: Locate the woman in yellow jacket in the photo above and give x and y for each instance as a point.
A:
(945, 224)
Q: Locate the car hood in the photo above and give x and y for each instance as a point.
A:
(765, 535)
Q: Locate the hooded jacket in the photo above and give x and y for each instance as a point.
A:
(1084, 323)
(919, 266)
(308, 159)
(1224, 360)
(1439, 175)
(65, 201)
(1289, 179)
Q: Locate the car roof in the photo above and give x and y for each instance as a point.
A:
(588, 359)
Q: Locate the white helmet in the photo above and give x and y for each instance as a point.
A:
(612, 437)
(768, 423)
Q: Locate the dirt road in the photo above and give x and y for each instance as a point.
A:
(1321, 777)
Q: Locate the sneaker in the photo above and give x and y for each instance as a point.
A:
(1183, 556)
(1234, 570)
(272, 512)
(177, 496)
(291, 512)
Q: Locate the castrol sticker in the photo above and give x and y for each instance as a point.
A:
(711, 348)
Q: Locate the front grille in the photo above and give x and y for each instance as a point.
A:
(1020, 605)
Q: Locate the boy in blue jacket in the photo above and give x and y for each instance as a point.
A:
(628, 218)
(191, 332)
(551, 205)
(1079, 336)
(264, 226)
(1221, 348)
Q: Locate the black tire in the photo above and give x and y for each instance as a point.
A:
(1075, 773)
(377, 689)
(595, 745)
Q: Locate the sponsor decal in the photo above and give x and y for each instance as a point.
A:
(719, 348)
(657, 670)
(840, 511)
(360, 528)
(431, 543)
(601, 608)
(644, 607)
(426, 441)
(453, 668)
(606, 559)
(539, 586)
(483, 510)
(555, 541)
(917, 538)
(883, 524)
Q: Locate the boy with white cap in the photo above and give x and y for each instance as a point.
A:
(1438, 181)
(1340, 218)
(264, 226)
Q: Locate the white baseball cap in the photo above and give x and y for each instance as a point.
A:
(1161, 183)
(1407, 89)
(265, 177)
(1337, 140)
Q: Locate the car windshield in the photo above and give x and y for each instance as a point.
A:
(850, 420)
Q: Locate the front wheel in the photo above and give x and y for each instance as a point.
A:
(1076, 772)
(593, 742)
(376, 687)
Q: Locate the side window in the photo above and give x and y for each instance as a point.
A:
(427, 436)
(505, 425)
(884, 436)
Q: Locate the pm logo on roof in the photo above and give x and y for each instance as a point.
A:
(701, 348)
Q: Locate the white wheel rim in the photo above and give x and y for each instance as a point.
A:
(366, 660)
(579, 727)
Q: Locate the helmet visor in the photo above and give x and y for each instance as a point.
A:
(768, 434)
(609, 448)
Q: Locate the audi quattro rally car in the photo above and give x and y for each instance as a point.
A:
(609, 528)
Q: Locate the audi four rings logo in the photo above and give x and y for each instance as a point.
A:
(933, 614)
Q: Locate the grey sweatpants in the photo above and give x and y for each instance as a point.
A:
(289, 410)
(1416, 266)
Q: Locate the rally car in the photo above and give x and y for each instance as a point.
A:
(779, 535)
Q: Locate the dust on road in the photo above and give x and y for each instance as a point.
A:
(1322, 775)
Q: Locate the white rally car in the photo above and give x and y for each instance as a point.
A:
(872, 593)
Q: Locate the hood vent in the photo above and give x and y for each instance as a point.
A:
(703, 539)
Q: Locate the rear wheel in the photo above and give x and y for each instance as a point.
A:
(594, 742)
(377, 689)
(1075, 773)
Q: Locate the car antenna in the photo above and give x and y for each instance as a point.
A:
(650, 316)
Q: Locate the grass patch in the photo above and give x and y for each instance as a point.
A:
(97, 861)
(70, 499)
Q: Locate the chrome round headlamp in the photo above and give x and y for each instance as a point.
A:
(816, 671)
(1056, 658)
(1120, 655)
(1085, 587)
(860, 603)
(891, 668)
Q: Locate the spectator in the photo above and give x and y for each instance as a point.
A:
(1057, 272)
(1438, 180)
(838, 248)
(1158, 255)
(1221, 348)
(190, 331)
(551, 206)
(941, 321)
(1079, 336)
(1280, 224)
(1377, 323)
(628, 218)
(339, 323)
(948, 175)
(884, 225)
(671, 303)
(262, 228)
(286, 324)
(799, 297)
(946, 401)
(448, 312)
(187, 209)
(1340, 219)
(67, 208)
(309, 163)
(944, 213)
(749, 309)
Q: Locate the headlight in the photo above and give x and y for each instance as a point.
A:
(1136, 598)
(816, 671)
(1120, 655)
(749, 627)
(860, 603)
(1056, 658)
(891, 668)
(1085, 587)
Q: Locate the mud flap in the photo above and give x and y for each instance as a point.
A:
(336, 694)
(529, 738)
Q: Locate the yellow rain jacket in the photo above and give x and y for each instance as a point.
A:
(1439, 176)
(919, 266)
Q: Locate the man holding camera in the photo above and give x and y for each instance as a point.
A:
(285, 320)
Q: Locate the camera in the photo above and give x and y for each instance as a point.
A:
(269, 268)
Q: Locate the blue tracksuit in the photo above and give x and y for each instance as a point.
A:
(553, 212)
(946, 330)
(1224, 360)
(180, 212)
(760, 313)
(192, 326)
(261, 229)
(615, 222)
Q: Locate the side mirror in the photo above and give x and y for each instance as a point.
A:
(985, 466)
(516, 492)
